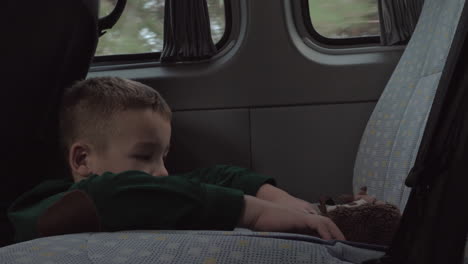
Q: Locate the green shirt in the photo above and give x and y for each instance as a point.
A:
(210, 198)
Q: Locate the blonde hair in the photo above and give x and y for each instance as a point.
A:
(88, 105)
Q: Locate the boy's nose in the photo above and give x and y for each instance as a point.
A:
(161, 172)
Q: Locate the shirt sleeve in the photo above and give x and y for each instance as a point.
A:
(231, 177)
(136, 200)
(25, 211)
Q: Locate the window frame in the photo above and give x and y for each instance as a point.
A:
(333, 42)
(105, 60)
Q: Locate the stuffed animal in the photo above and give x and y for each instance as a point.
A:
(362, 221)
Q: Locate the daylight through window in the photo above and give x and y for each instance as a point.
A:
(341, 19)
(141, 27)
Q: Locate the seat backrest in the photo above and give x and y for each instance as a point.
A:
(393, 134)
(39, 65)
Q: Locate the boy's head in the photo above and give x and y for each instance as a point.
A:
(114, 124)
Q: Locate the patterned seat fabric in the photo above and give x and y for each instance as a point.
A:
(465, 258)
(204, 247)
(393, 134)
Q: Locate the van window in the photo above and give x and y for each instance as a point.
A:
(343, 19)
(140, 28)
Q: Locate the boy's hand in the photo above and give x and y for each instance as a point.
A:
(298, 204)
(271, 193)
(263, 215)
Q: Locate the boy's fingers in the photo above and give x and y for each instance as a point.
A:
(335, 231)
(310, 210)
(328, 230)
(322, 229)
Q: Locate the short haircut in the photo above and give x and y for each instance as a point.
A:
(88, 105)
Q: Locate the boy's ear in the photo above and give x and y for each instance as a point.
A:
(79, 161)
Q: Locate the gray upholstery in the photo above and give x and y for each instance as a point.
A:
(393, 134)
(204, 247)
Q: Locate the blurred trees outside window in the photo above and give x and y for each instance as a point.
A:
(345, 18)
(140, 28)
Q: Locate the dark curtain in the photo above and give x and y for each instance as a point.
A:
(187, 31)
(398, 19)
(434, 226)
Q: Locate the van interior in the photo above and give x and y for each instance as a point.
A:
(324, 96)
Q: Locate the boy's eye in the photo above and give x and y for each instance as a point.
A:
(142, 157)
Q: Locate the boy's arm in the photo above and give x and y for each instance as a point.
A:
(263, 215)
(25, 211)
(231, 177)
(130, 200)
(250, 183)
(273, 194)
(136, 200)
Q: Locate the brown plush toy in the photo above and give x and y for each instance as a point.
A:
(361, 221)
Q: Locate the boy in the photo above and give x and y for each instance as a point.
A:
(116, 135)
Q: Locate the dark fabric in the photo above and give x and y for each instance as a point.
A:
(367, 223)
(433, 228)
(398, 19)
(230, 176)
(74, 213)
(46, 46)
(372, 223)
(187, 31)
(209, 198)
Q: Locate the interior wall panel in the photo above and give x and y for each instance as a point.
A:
(206, 138)
(310, 150)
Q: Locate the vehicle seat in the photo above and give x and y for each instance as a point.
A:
(391, 140)
(37, 75)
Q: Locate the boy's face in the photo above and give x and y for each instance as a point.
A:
(139, 140)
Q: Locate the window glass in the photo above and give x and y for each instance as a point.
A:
(341, 19)
(140, 28)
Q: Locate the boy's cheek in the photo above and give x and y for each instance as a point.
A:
(117, 166)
